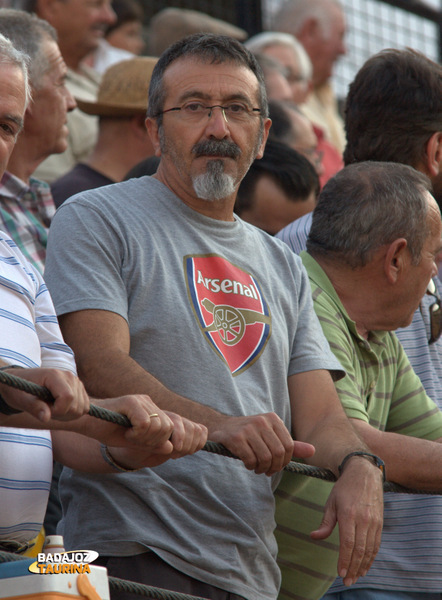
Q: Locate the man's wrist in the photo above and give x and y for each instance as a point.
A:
(375, 460)
(110, 460)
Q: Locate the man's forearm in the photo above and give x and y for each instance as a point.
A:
(411, 462)
(319, 419)
(118, 374)
(334, 440)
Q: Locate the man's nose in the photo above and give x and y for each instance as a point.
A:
(108, 15)
(217, 124)
(70, 101)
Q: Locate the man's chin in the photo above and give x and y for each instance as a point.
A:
(60, 147)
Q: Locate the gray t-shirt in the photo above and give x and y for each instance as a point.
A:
(219, 312)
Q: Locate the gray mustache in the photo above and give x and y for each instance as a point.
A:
(217, 148)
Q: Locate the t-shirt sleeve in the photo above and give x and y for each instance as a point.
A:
(84, 261)
(310, 349)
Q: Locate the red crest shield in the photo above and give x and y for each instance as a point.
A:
(230, 309)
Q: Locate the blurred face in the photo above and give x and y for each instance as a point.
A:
(277, 86)
(128, 36)
(209, 147)
(418, 276)
(12, 110)
(272, 209)
(327, 45)
(51, 101)
(287, 57)
(80, 24)
(306, 142)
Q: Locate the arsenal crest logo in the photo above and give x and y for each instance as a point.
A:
(230, 309)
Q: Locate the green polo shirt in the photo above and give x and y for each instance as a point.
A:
(381, 388)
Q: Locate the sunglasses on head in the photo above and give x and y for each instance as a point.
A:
(435, 313)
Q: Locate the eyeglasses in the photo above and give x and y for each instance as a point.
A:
(435, 313)
(195, 112)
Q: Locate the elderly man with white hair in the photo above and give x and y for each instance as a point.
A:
(319, 25)
(286, 49)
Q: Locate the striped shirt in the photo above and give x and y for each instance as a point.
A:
(25, 214)
(414, 566)
(30, 337)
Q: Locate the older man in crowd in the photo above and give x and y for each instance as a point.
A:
(206, 327)
(368, 274)
(290, 53)
(320, 27)
(26, 205)
(394, 113)
(30, 338)
(123, 140)
(80, 25)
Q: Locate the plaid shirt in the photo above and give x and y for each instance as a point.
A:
(25, 214)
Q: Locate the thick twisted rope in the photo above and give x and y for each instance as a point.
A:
(108, 415)
(122, 585)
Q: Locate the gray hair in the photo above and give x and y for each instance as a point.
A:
(294, 13)
(28, 32)
(258, 43)
(367, 205)
(10, 55)
(207, 47)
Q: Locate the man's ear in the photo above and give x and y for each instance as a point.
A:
(433, 155)
(267, 125)
(396, 259)
(152, 128)
(309, 32)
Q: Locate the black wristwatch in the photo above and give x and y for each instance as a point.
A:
(378, 462)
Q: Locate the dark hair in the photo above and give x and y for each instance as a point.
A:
(148, 166)
(393, 107)
(210, 48)
(367, 205)
(283, 128)
(126, 11)
(291, 171)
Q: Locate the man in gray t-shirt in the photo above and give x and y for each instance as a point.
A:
(161, 289)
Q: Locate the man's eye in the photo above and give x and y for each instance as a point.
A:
(236, 109)
(8, 129)
(194, 107)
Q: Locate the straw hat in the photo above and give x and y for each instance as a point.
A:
(123, 89)
(171, 24)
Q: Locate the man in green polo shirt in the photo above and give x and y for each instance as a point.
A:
(375, 234)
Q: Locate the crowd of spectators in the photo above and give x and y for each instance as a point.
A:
(202, 162)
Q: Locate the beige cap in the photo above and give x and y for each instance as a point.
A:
(172, 24)
(123, 89)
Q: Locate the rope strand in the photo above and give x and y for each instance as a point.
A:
(112, 417)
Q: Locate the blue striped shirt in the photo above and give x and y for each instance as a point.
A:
(29, 337)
